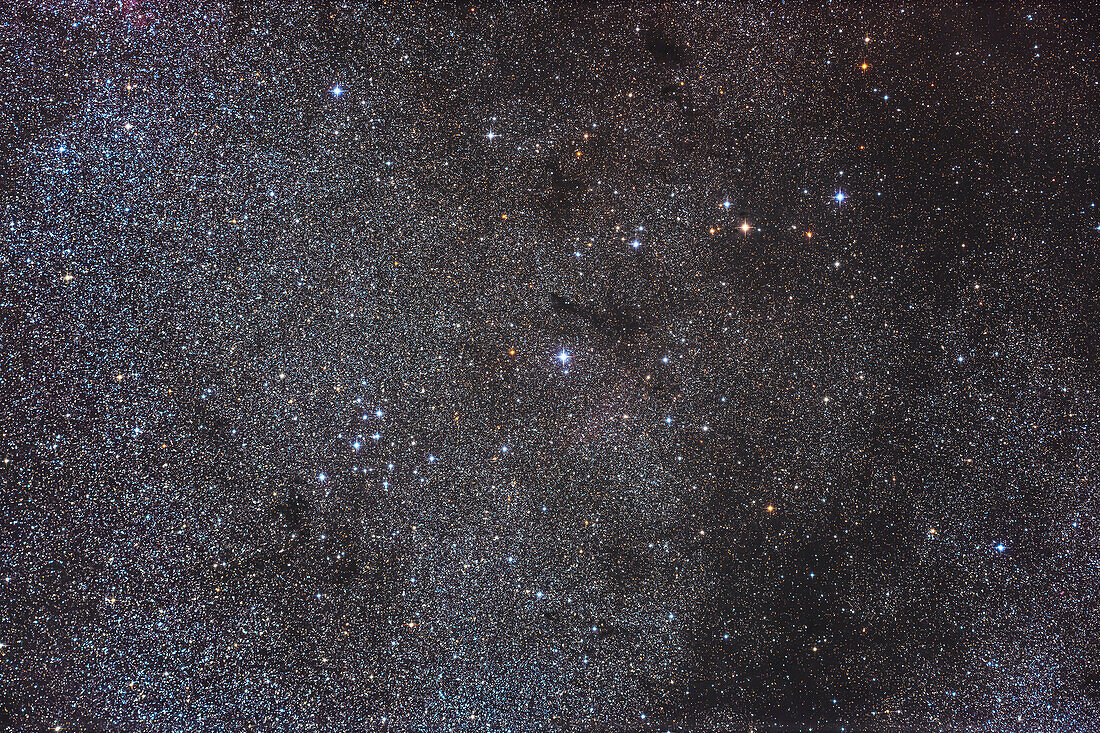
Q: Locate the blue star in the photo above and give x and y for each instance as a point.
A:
(337, 90)
(1000, 548)
(563, 356)
(840, 196)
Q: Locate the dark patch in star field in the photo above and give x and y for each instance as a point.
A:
(664, 49)
(616, 325)
(564, 195)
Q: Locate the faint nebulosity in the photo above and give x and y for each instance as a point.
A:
(556, 367)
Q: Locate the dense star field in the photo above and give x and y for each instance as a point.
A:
(568, 367)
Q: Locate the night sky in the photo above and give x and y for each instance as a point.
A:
(560, 367)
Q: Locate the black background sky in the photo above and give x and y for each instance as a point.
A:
(579, 367)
